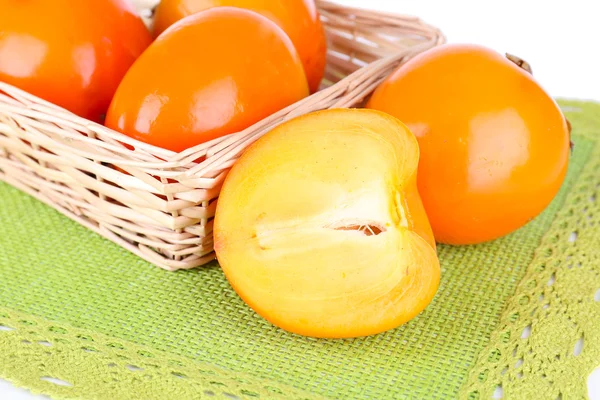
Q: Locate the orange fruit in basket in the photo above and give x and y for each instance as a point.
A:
(71, 53)
(298, 18)
(494, 145)
(320, 229)
(210, 74)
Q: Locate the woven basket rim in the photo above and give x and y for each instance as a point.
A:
(172, 158)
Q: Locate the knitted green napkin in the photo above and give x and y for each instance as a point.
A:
(82, 318)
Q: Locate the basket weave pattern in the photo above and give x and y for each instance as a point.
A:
(161, 207)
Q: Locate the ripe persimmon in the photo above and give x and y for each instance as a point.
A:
(70, 53)
(494, 144)
(298, 18)
(320, 229)
(210, 74)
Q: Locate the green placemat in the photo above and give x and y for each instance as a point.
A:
(509, 317)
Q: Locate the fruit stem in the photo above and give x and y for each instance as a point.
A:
(520, 62)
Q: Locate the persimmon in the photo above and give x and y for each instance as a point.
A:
(70, 53)
(320, 229)
(298, 18)
(210, 74)
(494, 144)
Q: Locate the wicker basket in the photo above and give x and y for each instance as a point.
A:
(162, 209)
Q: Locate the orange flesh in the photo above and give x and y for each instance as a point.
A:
(320, 230)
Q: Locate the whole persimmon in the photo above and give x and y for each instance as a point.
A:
(320, 229)
(70, 53)
(210, 74)
(298, 18)
(494, 145)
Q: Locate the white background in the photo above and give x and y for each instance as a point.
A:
(559, 39)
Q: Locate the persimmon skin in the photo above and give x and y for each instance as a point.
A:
(494, 145)
(319, 227)
(210, 74)
(70, 53)
(298, 18)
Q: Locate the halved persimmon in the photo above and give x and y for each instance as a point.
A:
(298, 18)
(320, 229)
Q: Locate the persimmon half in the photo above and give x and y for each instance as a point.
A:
(494, 145)
(70, 53)
(320, 229)
(298, 18)
(210, 74)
